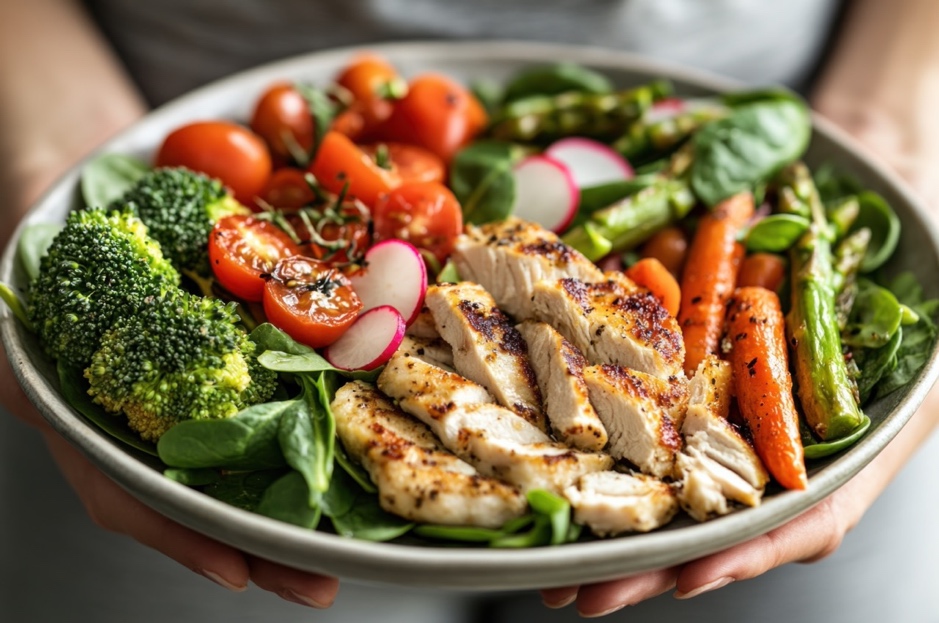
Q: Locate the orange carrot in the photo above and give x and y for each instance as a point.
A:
(762, 270)
(760, 365)
(669, 246)
(652, 275)
(709, 277)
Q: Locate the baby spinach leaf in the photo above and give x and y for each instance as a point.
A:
(33, 244)
(776, 233)
(307, 435)
(269, 337)
(481, 178)
(192, 477)
(286, 362)
(736, 153)
(287, 500)
(109, 176)
(818, 450)
(556, 78)
(876, 215)
(874, 318)
(246, 441)
(915, 349)
(74, 390)
(243, 489)
(355, 512)
(875, 363)
(832, 184)
(354, 470)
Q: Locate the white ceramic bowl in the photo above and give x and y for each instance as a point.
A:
(465, 568)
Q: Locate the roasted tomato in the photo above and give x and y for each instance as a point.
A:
(226, 151)
(363, 119)
(288, 190)
(339, 162)
(437, 113)
(409, 162)
(426, 214)
(331, 235)
(242, 249)
(311, 301)
(370, 76)
(282, 118)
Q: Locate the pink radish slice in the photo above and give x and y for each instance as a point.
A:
(590, 162)
(369, 342)
(395, 275)
(545, 193)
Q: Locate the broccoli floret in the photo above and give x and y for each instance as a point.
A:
(179, 357)
(180, 207)
(98, 269)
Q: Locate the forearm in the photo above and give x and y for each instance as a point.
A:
(62, 92)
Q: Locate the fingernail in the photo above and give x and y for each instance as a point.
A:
(596, 615)
(303, 600)
(237, 588)
(710, 586)
(561, 603)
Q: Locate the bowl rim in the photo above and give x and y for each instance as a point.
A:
(477, 569)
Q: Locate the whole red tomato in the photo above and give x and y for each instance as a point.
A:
(226, 151)
(370, 76)
(282, 118)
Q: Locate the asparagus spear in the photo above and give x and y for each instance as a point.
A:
(824, 387)
(654, 134)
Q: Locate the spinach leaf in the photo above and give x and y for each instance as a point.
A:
(481, 179)
(246, 441)
(306, 434)
(109, 176)
(354, 470)
(287, 362)
(738, 152)
(556, 78)
(192, 477)
(243, 489)
(875, 316)
(357, 513)
(876, 215)
(33, 244)
(287, 500)
(874, 363)
(776, 233)
(814, 450)
(449, 273)
(833, 184)
(489, 93)
(74, 390)
(269, 337)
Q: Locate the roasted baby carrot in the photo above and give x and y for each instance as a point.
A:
(762, 270)
(709, 277)
(652, 275)
(760, 365)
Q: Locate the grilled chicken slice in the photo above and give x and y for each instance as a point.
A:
(417, 478)
(559, 368)
(717, 465)
(612, 503)
(509, 257)
(423, 325)
(487, 348)
(613, 324)
(491, 438)
(432, 350)
(642, 415)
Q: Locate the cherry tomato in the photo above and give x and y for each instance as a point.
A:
(242, 249)
(310, 300)
(282, 118)
(369, 76)
(426, 214)
(349, 227)
(410, 162)
(363, 119)
(339, 161)
(438, 114)
(288, 190)
(226, 151)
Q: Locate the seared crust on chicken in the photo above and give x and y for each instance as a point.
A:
(717, 465)
(642, 415)
(612, 324)
(508, 258)
(417, 478)
(612, 503)
(559, 368)
(491, 438)
(487, 348)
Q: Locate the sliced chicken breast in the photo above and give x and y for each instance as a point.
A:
(641, 414)
(423, 326)
(417, 478)
(509, 257)
(612, 324)
(559, 368)
(612, 503)
(487, 348)
(490, 437)
(432, 350)
(717, 466)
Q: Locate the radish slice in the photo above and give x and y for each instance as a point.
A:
(665, 109)
(369, 342)
(590, 162)
(545, 193)
(395, 275)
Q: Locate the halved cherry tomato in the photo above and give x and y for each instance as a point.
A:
(226, 151)
(339, 161)
(426, 214)
(242, 249)
(288, 190)
(437, 113)
(282, 118)
(348, 228)
(369, 76)
(410, 162)
(363, 119)
(310, 300)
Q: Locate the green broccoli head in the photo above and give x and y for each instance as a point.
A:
(179, 357)
(180, 207)
(99, 268)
